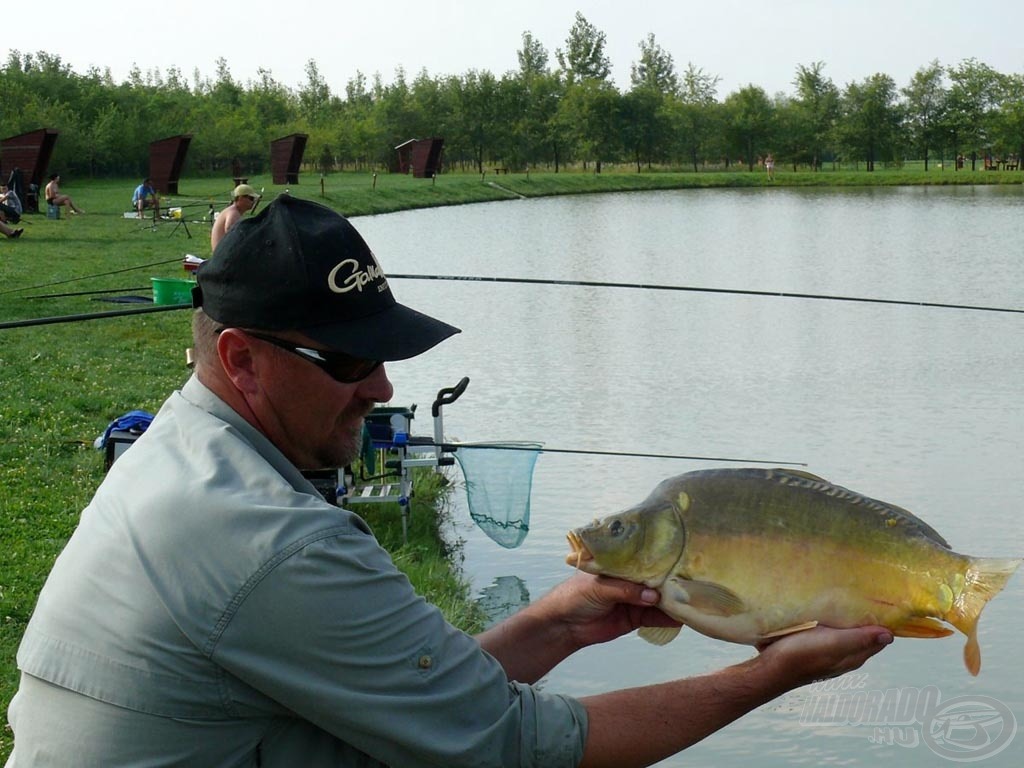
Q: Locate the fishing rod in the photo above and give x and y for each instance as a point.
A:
(90, 316)
(86, 293)
(696, 289)
(452, 447)
(89, 277)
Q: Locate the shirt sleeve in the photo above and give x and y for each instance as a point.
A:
(334, 632)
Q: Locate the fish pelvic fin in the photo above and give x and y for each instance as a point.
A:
(789, 630)
(984, 579)
(658, 635)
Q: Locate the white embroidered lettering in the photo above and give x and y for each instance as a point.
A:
(356, 279)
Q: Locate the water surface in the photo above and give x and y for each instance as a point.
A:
(920, 407)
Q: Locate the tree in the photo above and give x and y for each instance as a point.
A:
(1010, 120)
(314, 96)
(533, 57)
(584, 57)
(694, 114)
(748, 114)
(974, 94)
(925, 106)
(591, 110)
(655, 70)
(815, 110)
(870, 118)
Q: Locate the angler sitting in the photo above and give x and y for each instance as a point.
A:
(144, 197)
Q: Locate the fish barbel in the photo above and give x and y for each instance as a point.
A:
(746, 555)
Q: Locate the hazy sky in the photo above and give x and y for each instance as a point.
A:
(740, 41)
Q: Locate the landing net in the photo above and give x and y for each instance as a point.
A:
(498, 484)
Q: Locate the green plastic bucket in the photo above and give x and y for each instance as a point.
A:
(172, 290)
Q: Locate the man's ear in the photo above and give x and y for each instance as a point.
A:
(235, 351)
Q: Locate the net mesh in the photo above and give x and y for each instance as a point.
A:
(499, 477)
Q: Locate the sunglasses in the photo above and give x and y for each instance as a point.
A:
(341, 367)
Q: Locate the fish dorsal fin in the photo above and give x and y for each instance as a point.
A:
(658, 635)
(803, 474)
(892, 514)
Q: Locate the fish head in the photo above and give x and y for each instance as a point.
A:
(640, 544)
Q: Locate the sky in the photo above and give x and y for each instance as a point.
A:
(742, 42)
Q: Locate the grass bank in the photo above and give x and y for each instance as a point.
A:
(64, 382)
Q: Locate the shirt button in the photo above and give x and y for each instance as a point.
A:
(425, 662)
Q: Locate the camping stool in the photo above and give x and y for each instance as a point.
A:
(52, 211)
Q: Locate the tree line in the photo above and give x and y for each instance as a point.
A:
(547, 114)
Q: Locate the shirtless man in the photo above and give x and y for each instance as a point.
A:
(55, 197)
(243, 199)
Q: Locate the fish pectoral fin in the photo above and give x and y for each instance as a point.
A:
(921, 627)
(705, 596)
(658, 635)
(790, 630)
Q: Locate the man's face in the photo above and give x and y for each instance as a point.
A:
(313, 419)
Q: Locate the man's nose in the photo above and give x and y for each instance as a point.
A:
(377, 386)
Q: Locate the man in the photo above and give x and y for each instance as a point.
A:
(212, 610)
(144, 197)
(54, 196)
(10, 205)
(243, 200)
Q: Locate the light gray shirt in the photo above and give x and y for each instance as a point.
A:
(213, 610)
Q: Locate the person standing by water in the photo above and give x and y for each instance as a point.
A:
(769, 166)
(54, 196)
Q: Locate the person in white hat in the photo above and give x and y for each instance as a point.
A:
(243, 200)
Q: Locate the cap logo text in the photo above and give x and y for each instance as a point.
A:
(356, 279)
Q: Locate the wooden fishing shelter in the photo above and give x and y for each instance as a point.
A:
(286, 157)
(422, 156)
(166, 159)
(30, 152)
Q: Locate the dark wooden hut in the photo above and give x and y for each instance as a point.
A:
(166, 158)
(421, 156)
(286, 157)
(30, 153)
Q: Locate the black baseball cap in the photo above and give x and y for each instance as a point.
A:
(300, 266)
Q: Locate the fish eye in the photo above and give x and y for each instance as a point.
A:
(615, 528)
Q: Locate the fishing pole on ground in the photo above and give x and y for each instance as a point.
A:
(87, 293)
(90, 316)
(698, 289)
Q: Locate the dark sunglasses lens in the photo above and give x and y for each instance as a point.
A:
(347, 369)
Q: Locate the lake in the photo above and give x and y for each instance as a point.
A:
(921, 407)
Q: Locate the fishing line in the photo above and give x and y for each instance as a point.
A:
(696, 289)
(451, 447)
(89, 277)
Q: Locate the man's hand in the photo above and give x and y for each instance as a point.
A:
(823, 652)
(596, 609)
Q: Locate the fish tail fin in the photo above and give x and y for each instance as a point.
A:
(984, 579)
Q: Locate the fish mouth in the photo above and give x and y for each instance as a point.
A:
(579, 554)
